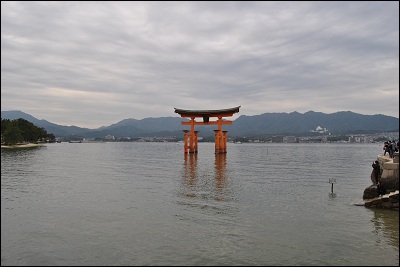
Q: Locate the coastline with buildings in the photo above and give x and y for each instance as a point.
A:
(316, 138)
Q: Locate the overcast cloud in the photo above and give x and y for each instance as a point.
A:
(92, 64)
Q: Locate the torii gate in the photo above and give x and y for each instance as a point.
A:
(192, 137)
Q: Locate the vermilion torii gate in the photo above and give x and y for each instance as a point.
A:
(190, 139)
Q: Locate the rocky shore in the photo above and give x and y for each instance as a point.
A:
(22, 145)
(389, 180)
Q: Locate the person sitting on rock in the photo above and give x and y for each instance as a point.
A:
(376, 172)
(380, 188)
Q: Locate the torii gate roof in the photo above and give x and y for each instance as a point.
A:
(207, 113)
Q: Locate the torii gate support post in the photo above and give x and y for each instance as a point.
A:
(185, 141)
(220, 137)
(220, 141)
(224, 137)
(193, 137)
(216, 141)
(196, 136)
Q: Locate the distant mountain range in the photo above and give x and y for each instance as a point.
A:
(294, 123)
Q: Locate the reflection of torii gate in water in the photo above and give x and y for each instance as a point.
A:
(192, 137)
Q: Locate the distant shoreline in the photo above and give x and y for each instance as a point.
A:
(22, 146)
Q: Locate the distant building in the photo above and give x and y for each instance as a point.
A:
(319, 129)
(277, 139)
(360, 139)
(352, 139)
(290, 139)
(109, 137)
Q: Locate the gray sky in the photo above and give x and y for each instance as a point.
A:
(92, 64)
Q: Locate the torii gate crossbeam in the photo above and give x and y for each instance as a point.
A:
(191, 139)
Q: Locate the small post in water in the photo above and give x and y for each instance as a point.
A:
(332, 181)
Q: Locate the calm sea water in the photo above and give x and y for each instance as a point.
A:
(148, 204)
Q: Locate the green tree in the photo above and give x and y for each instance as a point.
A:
(30, 132)
(51, 137)
(20, 130)
(5, 123)
(12, 135)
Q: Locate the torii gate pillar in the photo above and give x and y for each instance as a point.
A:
(191, 139)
